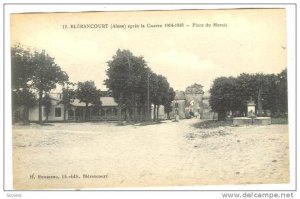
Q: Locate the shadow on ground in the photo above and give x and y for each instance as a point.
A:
(206, 124)
(139, 124)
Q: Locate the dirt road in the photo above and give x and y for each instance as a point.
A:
(108, 155)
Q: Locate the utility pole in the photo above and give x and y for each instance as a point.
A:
(127, 112)
(148, 98)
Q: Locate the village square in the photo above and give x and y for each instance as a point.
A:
(143, 133)
(156, 107)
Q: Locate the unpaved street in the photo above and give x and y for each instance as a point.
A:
(154, 155)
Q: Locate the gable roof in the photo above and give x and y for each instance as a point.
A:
(106, 101)
(179, 95)
(194, 89)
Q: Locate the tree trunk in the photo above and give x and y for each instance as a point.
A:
(144, 113)
(140, 114)
(65, 111)
(136, 112)
(85, 111)
(157, 113)
(154, 113)
(119, 113)
(221, 115)
(22, 114)
(90, 112)
(40, 106)
(125, 114)
(259, 102)
(26, 115)
(128, 115)
(147, 113)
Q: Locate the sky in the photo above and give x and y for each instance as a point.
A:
(249, 40)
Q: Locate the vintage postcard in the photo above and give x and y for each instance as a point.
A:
(149, 98)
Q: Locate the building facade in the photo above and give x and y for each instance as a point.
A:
(192, 102)
(77, 112)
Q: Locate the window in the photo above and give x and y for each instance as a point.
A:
(57, 112)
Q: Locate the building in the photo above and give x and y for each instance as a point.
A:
(179, 105)
(194, 95)
(192, 102)
(107, 112)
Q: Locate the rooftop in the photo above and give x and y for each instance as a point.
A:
(179, 95)
(106, 101)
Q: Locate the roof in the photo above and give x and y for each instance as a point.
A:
(194, 89)
(77, 102)
(206, 95)
(106, 101)
(179, 95)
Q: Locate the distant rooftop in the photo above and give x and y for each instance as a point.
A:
(206, 95)
(106, 101)
(179, 95)
(194, 89)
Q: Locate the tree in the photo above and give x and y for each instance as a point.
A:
(130, 81)
(88, 93)
(247, 87)
(127, 79)
(68, 95)
(154, 93)
(282, 92)
(223, 96)
(261, 88)
(46, 102)
(161, 95)
(45, 76)
(23, 98)
(22, 67)
(22, 70)
(167, 102)
(269, 92)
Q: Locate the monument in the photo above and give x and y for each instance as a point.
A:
(251, 108)
(251, 118)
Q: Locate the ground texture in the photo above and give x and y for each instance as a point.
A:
(166, 154)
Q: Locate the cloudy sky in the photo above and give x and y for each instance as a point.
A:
(250, 40)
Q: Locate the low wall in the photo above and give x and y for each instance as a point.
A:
(237, 121)
(262, 121)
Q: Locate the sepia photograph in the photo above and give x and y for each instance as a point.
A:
(125, 99)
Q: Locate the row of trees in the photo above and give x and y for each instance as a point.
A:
(135, 87)
(33, 72)
(86, 92)
(36, 72)
(269, 91)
